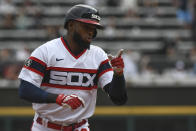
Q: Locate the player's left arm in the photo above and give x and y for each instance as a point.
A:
(116, 89)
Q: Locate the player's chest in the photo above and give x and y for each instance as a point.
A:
(64, 71)
(66, 60)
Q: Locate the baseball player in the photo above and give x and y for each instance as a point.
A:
(61, 76)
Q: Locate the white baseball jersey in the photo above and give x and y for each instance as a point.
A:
(54, 68)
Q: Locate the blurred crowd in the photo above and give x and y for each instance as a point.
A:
(168, 61)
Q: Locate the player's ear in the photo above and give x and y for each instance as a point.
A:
(70, 25)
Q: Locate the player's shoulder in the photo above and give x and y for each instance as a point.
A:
(98, 52)
(46, 47)
(97, 49)
(49, 45)
(52, 42)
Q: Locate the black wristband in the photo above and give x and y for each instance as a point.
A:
(51, 98)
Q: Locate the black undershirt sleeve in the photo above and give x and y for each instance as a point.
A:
(34, 94)
(117, 90)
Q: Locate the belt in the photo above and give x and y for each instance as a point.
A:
(61, 127)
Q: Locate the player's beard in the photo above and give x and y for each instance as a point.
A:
(81, 43)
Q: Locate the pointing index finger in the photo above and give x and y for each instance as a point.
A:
(120, 52)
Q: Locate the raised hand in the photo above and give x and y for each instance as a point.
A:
(117, 62)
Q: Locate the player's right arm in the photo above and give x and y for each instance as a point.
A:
(32, 93)
(31, 77)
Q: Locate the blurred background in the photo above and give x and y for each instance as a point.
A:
(159, 38)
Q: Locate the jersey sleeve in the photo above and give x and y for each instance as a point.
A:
(35, 66)
(105, 71)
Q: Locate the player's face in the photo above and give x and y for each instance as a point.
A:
(83, 34)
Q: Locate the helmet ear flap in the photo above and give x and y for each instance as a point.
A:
(95, 33)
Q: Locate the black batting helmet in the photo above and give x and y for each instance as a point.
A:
(83, 13)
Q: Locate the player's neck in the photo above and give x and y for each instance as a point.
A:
(73, 47)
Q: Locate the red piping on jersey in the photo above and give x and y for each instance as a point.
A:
(103, 62)
(37, 60)
(104, 72)
(76, 57)
(72, 69)
(69, 87)
(33, 70)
